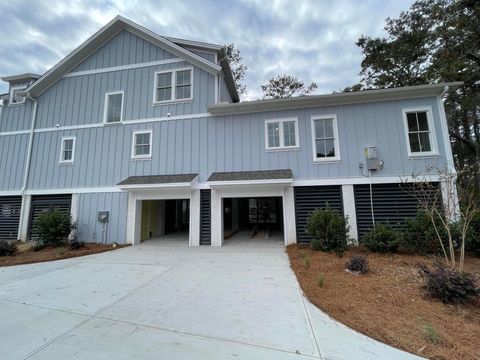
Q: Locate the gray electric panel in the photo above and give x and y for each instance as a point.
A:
(103, 216)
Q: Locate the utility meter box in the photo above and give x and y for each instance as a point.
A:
(371, 155)
(103, 216)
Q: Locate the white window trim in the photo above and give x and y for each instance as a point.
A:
(12, 89)
(62, 148)
(431, 127)
(105, 106)
(282, 139)
(336, 141)
(174, 81)
(145, 156)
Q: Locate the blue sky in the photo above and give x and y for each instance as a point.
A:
(313, 40)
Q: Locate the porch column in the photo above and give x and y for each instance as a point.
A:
(194, 227)
(289, 216)
(216, 218)
(74, 214)
(24, 217)
(350, 211)
(134, 219)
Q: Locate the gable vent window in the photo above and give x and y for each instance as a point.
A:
(173, 85)
(15, 97)
(68, 150)
(142, 144)
(113, 107)
(419, 132)
(281, 134)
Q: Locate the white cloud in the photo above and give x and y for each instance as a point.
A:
(313, 40)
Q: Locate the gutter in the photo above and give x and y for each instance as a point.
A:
(1, 109)
(30, 144)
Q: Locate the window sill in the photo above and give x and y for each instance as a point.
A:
(168, 102)
(16, 104)
(281, 149)
(141, 158)
(329, 161)
(63, 163)
(424, 156)
(115, 123)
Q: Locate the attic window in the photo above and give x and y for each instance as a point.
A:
(173, 85)
(15, 97)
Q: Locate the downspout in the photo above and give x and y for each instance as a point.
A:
(1, 109)
(30, 145)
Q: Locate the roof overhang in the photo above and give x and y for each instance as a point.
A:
(249, 178)
(364, 96)
(20, 77)
(158, 182)
(281, 182)
(118, 24)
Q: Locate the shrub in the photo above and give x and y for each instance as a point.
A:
(472, 243)
(358, 264)
(329, 230)
(7, 248)
(419, 236)
(53, 227)
(382, 238)
(448, 285)
(76, 245)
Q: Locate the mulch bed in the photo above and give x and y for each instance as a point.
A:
(388, 303)
(26, 255)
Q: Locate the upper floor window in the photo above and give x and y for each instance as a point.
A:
(15, 97)
(142, 144)
(68, 150)
(325, 138)
(281, 134)
(113, 107)
(419, 132)
(173, 85)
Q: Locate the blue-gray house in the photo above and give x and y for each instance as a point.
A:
(142, 136)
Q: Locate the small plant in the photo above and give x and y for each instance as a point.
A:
(382, 239)
(357, 264)
(38, 247)
(61, 251)
(76, 245)
(320, 279)
(53, 227)
(329, 230)
(431, 334)
(448, 285)
(7, 248)
(307, 261)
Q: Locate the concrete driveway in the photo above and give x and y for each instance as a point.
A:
(170, 302)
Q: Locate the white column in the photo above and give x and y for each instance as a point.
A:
(134, 219)
(194, 230)
(24, 217)
(74, 207)
(289, 220)
(217, 218)
(450, 200)
(350, 211)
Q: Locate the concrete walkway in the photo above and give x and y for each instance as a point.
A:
(157, 301)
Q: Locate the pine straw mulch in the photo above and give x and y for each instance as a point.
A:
(388, 303)
(26, 254)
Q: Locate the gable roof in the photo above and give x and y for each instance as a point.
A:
(101, 37)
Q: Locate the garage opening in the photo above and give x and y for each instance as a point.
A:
(253, 220)
(165, 221)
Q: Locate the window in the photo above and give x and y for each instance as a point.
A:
(325, 138)
(68, 150)
(173, 85)
(142, 144)
(281, 134)
(113, 107)
(419, 132)
(15, 97)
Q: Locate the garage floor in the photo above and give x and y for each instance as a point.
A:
(157, 301)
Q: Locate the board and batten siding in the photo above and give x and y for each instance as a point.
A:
(89, 229)
(125, 48)
(230, 143)
(13, 152)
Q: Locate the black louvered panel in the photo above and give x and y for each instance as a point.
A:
(44, 203)
(309, 198)
(392, 204)
(10, 207)
(205, 218)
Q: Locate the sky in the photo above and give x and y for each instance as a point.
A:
(312, 40)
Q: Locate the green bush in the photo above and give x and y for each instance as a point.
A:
(419, 236)
(382, 238)
(7, 248)
(472, 242)
(53, 228)
(329, 230)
